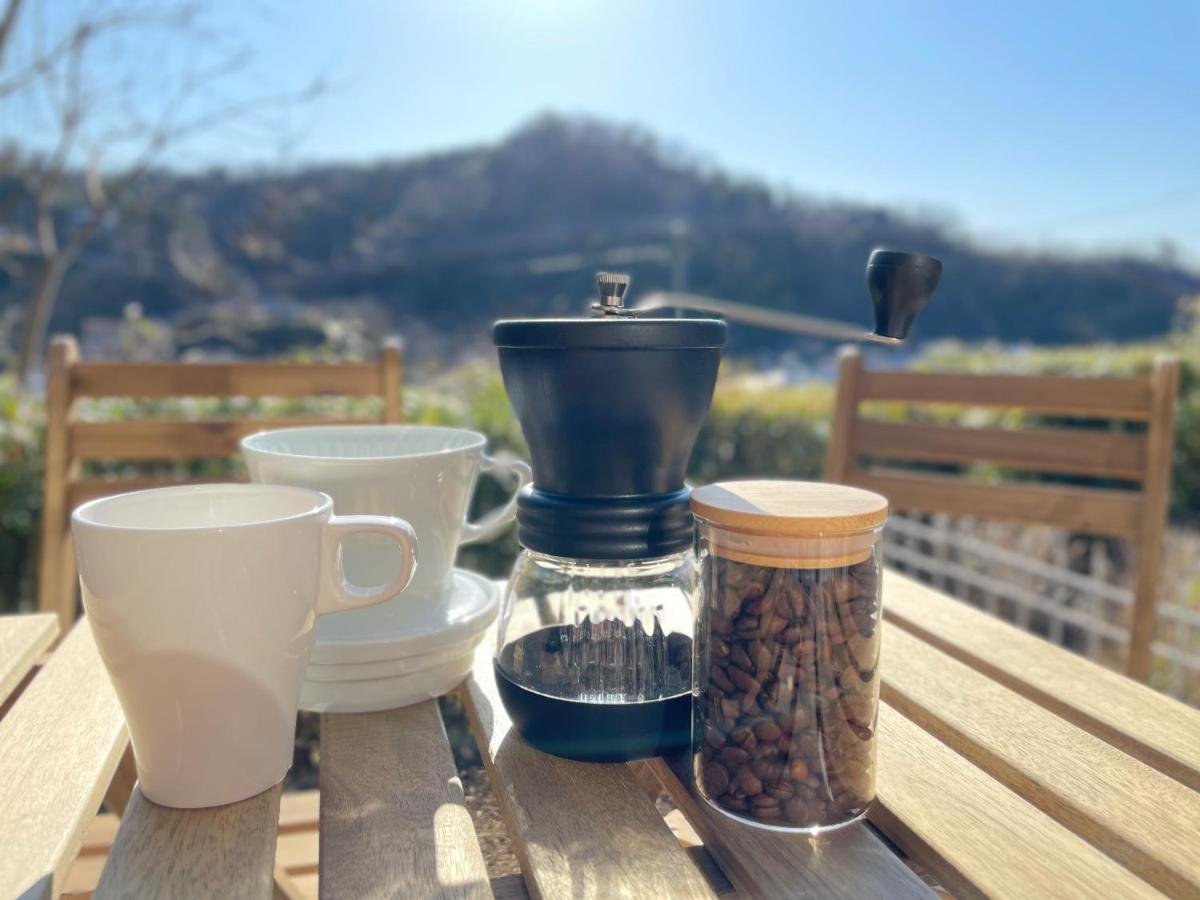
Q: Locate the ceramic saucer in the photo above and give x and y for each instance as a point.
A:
(405, 626)
(391, 668)
(374, 694)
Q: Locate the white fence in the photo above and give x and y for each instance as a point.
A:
(1078, 611)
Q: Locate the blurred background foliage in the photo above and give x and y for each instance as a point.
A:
(757, 426)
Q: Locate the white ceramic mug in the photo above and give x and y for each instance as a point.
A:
(203, 601)
(427, 474)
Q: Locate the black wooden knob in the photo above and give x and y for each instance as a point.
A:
(900, 285)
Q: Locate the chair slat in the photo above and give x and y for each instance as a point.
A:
(977, 836)
(90, 488)
(300, 811)
(298, 851)
(59, 746)
(169, 439)
(220, 852)
(241, 379)
(1131, 812)
(1061, 450)
(1144, 723)
(22, 640)
(394, 821)
(1094, 511)
(1110, 398)
(581, 830)
(852, 862)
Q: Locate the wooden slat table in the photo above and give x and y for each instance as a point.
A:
(1007, 768)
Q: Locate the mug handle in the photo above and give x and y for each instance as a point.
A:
(337, 593)
(492, 525)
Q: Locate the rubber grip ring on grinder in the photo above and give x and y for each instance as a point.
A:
(638, 527)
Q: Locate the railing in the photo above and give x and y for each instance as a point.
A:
(1082, 612)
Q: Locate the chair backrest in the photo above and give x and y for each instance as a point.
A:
(865, 452)
(70, 442)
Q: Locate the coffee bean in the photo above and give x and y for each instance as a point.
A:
(729, 707)
(746, 623)
(768, 731)
(737, 804)
(783, 790)
(741, 658)
(733, 756)
(766, 768)
(748, 783)
(760, 656)
(796, 810)
(766, 813)
(744, 681)
(716, 779)
(717, 675)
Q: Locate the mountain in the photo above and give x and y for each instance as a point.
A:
(457, 239)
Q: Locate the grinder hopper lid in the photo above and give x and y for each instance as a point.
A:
(610, 407)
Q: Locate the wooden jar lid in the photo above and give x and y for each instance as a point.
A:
(790, 508)
(804, 523)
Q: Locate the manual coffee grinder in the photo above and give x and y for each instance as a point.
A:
(594, 651)
(595, 643)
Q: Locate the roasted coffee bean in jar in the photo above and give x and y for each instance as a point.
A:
(786, 678)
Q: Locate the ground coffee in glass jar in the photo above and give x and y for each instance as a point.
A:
(785, 679)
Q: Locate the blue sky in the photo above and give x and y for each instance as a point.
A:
(1074, 126)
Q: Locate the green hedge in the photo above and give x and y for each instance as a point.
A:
(22, 421)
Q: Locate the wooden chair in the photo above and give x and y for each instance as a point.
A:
(1139, 458)
(70, 441)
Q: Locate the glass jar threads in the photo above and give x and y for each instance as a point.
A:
(785, 678)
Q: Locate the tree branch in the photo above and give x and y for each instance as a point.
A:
(103, 100)
(86, 31)
(8, 20)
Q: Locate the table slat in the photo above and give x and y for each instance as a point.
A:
(1159, 731)
(580, 830)
(22, 640)
(978, 837)
(852, 862)
(59, 746)
(394, 821)
(219, 853)
(1131, 812)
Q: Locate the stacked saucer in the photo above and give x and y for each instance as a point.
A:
(400, 652)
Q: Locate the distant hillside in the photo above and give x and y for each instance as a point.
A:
(460, 238)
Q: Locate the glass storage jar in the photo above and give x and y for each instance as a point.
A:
(594, 657)
(785, 673)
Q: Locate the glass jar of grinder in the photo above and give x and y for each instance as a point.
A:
(787, 651)
(594, 654)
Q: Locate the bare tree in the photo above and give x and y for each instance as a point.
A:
(117, 85)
